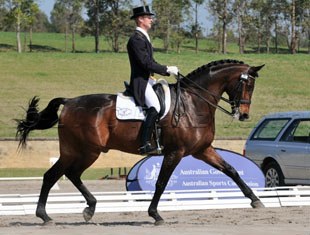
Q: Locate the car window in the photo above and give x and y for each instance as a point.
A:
(298, 131)
(269, 129)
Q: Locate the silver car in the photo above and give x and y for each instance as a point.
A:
(280, 146)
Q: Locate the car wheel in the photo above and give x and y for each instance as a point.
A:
(273, 175)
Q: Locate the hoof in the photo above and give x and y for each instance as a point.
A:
(257, 204)
(159, 222)
(41, 213)
(88, 214)
(49, 223)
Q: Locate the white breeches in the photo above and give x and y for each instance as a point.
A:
(151, 99)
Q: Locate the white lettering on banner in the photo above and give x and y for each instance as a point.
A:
(241, 172)
(217, 172)
(194, 172)
(231, 183)
(191, 174)
(217, 183)
(194, 183)
(253, 184)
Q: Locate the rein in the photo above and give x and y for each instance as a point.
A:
(234, 104)
(209, 92)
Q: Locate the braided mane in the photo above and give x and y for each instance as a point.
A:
(211, 64)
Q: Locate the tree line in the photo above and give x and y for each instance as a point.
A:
(264, 24)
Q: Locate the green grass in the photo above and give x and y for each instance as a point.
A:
(283, 84)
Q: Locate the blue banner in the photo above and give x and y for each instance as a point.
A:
(193, 174)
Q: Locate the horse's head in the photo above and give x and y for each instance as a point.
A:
(237, 79)
(240, 89)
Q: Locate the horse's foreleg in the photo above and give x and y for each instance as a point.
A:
(211, 157)
(49, 179)
(169, 164)
(247, 191)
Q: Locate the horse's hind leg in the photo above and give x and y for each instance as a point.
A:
(211, 157)
(49, 179)
(74, 175)
(90, 199)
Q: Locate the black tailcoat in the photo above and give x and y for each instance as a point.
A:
(143, 65)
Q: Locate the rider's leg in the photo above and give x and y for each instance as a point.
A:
(151, 99)
(152, 102)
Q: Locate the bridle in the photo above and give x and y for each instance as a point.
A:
(235, 103)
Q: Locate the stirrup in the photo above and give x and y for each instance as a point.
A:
(147, 149)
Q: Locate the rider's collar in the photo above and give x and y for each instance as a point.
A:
(144, 32)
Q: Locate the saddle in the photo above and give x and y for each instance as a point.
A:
(126, 108)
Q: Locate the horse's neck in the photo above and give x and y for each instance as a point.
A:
(213, 88)
(197, 102)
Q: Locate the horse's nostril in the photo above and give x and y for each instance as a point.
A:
(244, 116)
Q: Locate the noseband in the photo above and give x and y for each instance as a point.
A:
(235, 103)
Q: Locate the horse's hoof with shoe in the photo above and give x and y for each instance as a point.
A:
(88, 213)
(159, 222)
(49, 223)
(257, 204)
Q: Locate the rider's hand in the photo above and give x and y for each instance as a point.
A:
(173, 70)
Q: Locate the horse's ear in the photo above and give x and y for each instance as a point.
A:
(254, 69)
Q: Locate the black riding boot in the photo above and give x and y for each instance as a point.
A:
(147, 129)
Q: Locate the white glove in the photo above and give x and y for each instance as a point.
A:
(173, 70)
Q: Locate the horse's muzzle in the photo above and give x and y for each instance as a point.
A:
(239, 115)
(243, 116)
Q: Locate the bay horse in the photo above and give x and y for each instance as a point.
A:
(87, 126)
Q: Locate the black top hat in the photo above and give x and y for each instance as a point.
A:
(141, 11)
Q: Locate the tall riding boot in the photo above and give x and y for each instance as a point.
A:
(147, 130)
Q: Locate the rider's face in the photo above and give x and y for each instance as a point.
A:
(145, 22)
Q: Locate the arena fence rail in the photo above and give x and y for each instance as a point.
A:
(24, 204)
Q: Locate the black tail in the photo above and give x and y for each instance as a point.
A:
(36, 120)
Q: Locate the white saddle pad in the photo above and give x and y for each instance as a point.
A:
(126, 108)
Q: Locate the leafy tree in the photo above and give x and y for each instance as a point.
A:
(59, 16)
(41, 23)
(93, 26)
(303, 21)
(278, 12)
(261, 13)
(222, 10)
(14, 16)
(3, 13)
(110, 18)
(30, 10)
(65, 16)
(293, 44)
(116, 22)
(299, 11)
(196, 28)
(20, 14)
(240, 11)
(171, 14)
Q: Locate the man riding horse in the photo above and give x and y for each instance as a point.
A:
(143, 66)
(88, 124)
